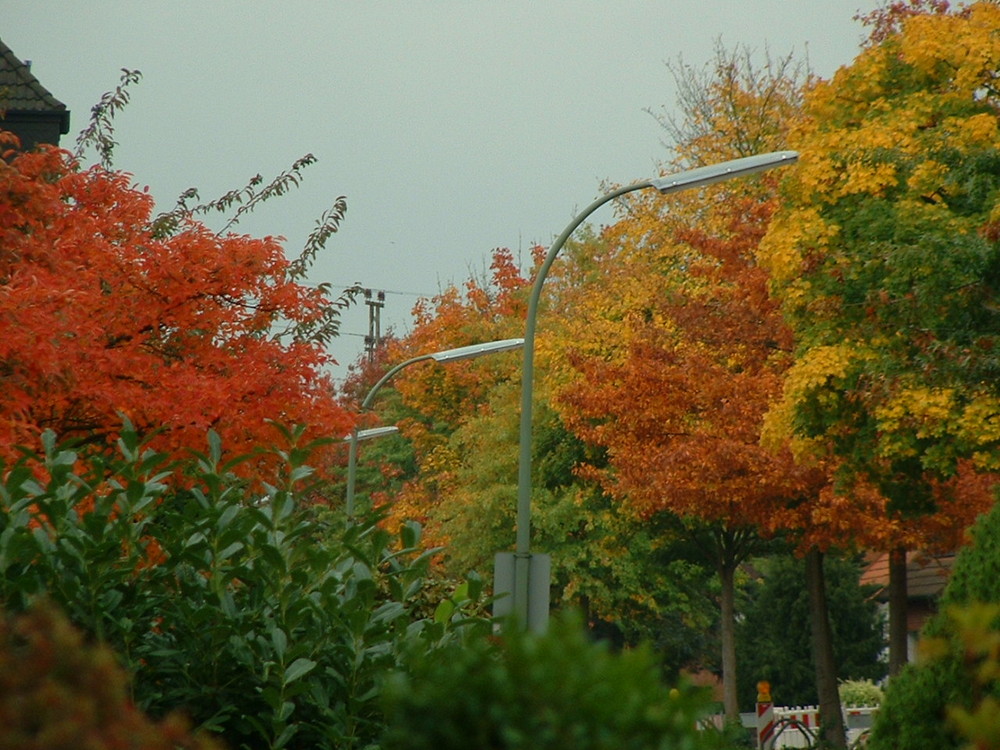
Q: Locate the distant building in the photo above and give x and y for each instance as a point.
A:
(27, 109)
(926, 576)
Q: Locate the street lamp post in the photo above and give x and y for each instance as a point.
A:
(448, 355)
(519, 582)
(356, 436)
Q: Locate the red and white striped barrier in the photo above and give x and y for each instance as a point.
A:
(765, 716)
(798, 726)
(765, 725)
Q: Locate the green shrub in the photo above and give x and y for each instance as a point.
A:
(57, 691)
(267, 619)
(859, 693)
(555, 691)
(918, 701)
(976, 627)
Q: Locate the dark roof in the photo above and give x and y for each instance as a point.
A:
(20, 91)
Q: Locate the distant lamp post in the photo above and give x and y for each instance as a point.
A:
(525, 577)
(448, 355)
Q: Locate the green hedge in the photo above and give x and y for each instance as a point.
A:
(266, 618)
(551, 692)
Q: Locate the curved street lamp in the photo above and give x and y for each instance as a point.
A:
(448, 355)
(513, 573)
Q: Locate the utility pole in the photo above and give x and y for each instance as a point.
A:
(374, 337)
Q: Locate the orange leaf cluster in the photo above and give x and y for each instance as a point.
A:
(101, 317)
(680, 414)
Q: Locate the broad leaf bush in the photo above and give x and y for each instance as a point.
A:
(551, 692)
(265, 617)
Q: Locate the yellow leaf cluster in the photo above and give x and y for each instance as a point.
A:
(860, 112)
(791, 235)
(778, 429)
(976, 131)
(599, 317)
(927, 177)
(873, 179)
(808, 376)
(925, 407)
(864, 80)
(442, 460)
(979, 424)
(919, 411)
(968, 47)
(820, 365)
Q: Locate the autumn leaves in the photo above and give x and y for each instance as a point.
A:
(105, 317)
(810, 354)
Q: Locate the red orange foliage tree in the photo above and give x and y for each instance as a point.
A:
(680, 412)
(690, 351)
(107, 312)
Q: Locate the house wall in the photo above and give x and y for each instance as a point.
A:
(33, 128)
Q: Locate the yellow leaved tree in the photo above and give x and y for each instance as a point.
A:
(885, 257)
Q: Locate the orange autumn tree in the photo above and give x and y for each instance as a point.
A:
(679, 412)
(455, 470)
(107, 312)
(678, 349)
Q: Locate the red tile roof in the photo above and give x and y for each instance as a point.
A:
(926, 575)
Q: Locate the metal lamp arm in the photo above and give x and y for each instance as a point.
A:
(388, 376)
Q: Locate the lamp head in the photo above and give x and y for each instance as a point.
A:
(477, 350)
(374, 432)
(727, 170)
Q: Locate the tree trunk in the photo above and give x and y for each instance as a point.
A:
(727, 607)
(832, 732)
(898, 635)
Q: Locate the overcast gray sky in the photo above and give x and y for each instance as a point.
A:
(453, 127)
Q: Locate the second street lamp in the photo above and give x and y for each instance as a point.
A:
(448, 355)
(522, 575)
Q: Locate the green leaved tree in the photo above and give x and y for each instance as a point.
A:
(885, 256)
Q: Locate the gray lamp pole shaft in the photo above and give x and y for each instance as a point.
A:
(523, 540)
(352, 464)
